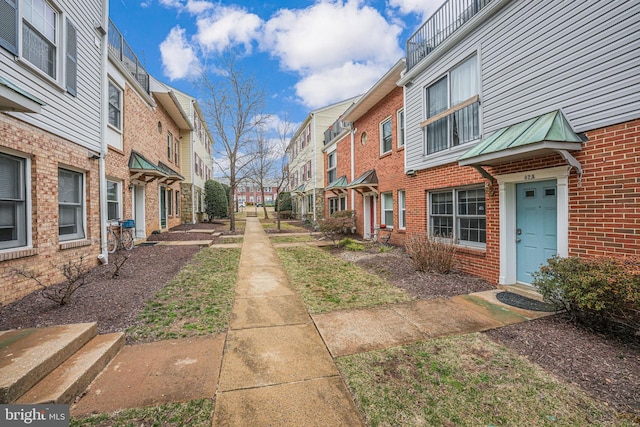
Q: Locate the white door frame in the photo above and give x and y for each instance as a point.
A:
(138, 208)
(507, 211)
(368, 217)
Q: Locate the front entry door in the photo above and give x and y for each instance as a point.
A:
(536, 227)
(163, 208)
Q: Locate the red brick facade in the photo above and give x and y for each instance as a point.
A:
(142, 133)
(45, 259)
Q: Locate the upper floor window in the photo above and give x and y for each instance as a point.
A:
(13, 202)
(39, 34)
(176, 156)
(452, 108)
(400, 128)
(169, 145)
(331, 168)
(70, 205)
(115, 106)
(385, 136)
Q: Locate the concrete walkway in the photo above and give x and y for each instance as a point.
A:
(276, 369)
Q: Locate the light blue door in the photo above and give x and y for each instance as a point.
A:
(536, 227)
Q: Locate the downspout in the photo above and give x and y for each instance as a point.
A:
(315, 164)
(353, 167)
(104, 96)
(192, 172)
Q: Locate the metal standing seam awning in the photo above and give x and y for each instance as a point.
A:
(142, 169)
(299, 190)
(339, 186)
(172, 176)
(368, 181)
(545, 134)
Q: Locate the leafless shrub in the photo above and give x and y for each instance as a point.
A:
(75, 276)
(430, 253)
(334, 227)
(118, 259)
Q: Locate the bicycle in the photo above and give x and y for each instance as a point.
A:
(123, 238)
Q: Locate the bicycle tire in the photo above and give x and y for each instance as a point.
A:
(127, 239)
(112, 241)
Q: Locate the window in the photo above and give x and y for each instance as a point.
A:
(343, 203)
(177, 205)
(70, 205)
(175, 152)
(39, 33)
(455, 91)
(331, 168)
(310, 204)
(14, 223)
(169, 145)
(309, 169)
(385, 136)
(460, 215)
(333, 205)
(402, 210)
(113, 201)
(115, 106)
(170, 201)
(400, 128)
(387, 209)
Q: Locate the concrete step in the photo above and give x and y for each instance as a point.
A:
(28, 355)
(71, 378)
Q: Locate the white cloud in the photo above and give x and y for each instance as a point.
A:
(338, 83)
(333, 45)
(196, 7)
(227, 26)
(179, 59)
(424, 8)
(171, 3)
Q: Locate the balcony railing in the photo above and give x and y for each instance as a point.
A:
(119, 47)
(334, 130)
(452, 15)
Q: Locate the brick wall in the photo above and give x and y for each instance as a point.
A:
(141, 133)
(47, 152)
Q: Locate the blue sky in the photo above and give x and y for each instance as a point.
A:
(306, 54)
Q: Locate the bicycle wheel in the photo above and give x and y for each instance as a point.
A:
(112, 241)
(127, 239)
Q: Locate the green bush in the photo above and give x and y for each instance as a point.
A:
(283, 202)
(599, 291)
(351, 245)
(215, 199)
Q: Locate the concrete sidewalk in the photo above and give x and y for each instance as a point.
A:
(276, 370)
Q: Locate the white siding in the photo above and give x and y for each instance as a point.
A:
(73, 118)
(537, 56)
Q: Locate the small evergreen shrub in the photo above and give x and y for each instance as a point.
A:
(603, 291)
(351, 245)
(430, 254)
(215, 199)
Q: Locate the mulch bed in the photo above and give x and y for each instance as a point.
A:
(606, 368)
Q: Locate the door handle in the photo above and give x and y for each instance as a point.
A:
(518, 240)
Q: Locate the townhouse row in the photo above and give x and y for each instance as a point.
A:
(512, 128)
(87, 138)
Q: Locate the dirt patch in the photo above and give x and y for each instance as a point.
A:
(113, 303)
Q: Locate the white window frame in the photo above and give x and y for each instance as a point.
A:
(117, 201)
(334, 205)
(81, 219)
(112, 106)
(52, 40)
(456, 216)
(23, 237)
(170, 146)
(402, 209)
(383, 137)
(332, 169)
(400, 125)
(386, 208)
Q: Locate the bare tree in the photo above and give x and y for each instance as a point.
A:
(233, 104)
(284, 132)
(261, 169)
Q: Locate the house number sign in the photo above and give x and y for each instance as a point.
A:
(529, 177)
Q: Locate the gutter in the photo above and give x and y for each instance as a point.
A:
(104, 255)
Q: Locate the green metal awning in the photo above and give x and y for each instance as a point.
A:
(338, 186)
(142, 169)
(172, 176)
(538, 136)
(13, 98)
(366, 181)
(299, 189)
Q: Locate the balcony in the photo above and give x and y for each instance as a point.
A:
(334, 130)
(452, 15)
(119, 48)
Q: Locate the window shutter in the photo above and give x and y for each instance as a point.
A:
(72, 59)
(9, 25)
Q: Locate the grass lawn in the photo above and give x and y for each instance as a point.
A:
(197, 302)
(292, 239)
(465, 380)
(271, 224)
(327, 283)
(196, 413)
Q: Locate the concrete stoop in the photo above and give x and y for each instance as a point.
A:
(53, 364)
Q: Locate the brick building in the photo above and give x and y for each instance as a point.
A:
(522, 141)
(51, 150)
